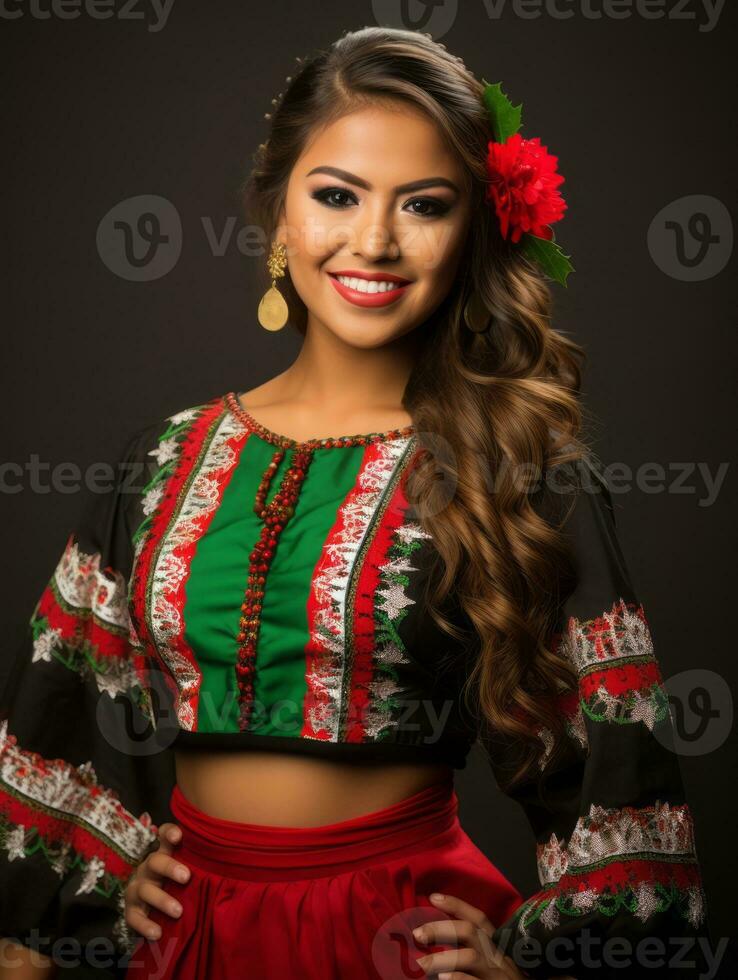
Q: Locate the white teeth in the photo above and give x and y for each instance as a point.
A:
(367, 285)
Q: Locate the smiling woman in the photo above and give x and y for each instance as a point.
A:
(371, 233)
(331, 585)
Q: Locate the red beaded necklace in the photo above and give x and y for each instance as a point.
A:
(275, 515)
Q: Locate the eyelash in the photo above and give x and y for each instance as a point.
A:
(323, 195)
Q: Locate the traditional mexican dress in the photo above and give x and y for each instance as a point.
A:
(240, 590)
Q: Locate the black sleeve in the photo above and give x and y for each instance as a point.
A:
(85, 777)
(617, 862)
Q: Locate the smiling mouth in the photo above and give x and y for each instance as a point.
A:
(370, 284)
(370, 290)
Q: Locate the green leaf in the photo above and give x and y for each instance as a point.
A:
(549, 256)
(504, 116)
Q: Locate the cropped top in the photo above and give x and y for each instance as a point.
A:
(238, 590)
(278, 588)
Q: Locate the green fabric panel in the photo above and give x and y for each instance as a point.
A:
(218, 576)
(280, 672)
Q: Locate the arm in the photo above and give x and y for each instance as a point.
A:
(17, 962)
(84, 774)
(615, 841)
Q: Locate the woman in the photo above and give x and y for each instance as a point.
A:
(317, 625)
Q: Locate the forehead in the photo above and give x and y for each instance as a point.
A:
(386, 145)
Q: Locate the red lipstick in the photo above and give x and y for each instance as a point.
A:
(359, 298)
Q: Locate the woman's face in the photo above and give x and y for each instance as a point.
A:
(377, 198)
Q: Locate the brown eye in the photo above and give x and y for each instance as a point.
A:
(436, 207)
(328, 194)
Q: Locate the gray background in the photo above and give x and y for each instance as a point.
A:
(639, 112)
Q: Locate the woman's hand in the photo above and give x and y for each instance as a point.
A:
(476, 957)
(144, 888)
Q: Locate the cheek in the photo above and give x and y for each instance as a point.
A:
(305, 276)
(315, 232)
(436, 253)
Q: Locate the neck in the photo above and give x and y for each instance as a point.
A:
(344, 379)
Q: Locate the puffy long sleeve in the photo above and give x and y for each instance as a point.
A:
(84, 778)
(619, 874)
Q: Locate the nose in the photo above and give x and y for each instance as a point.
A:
(374, 233)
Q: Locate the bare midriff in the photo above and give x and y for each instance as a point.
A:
(287, 790)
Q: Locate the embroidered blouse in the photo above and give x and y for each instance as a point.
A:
(241, 590)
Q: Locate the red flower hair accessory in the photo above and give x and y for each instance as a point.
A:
(524, 186)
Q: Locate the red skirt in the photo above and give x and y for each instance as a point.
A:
(317, 903)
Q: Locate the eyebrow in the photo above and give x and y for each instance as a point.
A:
(414, 185)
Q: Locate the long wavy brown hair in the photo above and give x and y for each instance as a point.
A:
(510, 407)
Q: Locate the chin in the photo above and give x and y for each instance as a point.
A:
(365, 339)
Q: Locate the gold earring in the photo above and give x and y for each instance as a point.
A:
(273, 311)
(476, 314)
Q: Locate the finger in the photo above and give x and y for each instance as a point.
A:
(450, 960)
(169, 836)
(463, 933)
(455, 975)
(159, 865)
(463, 910)
(171, 832)
(137, 919)
(157, 898)
(458, 931)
